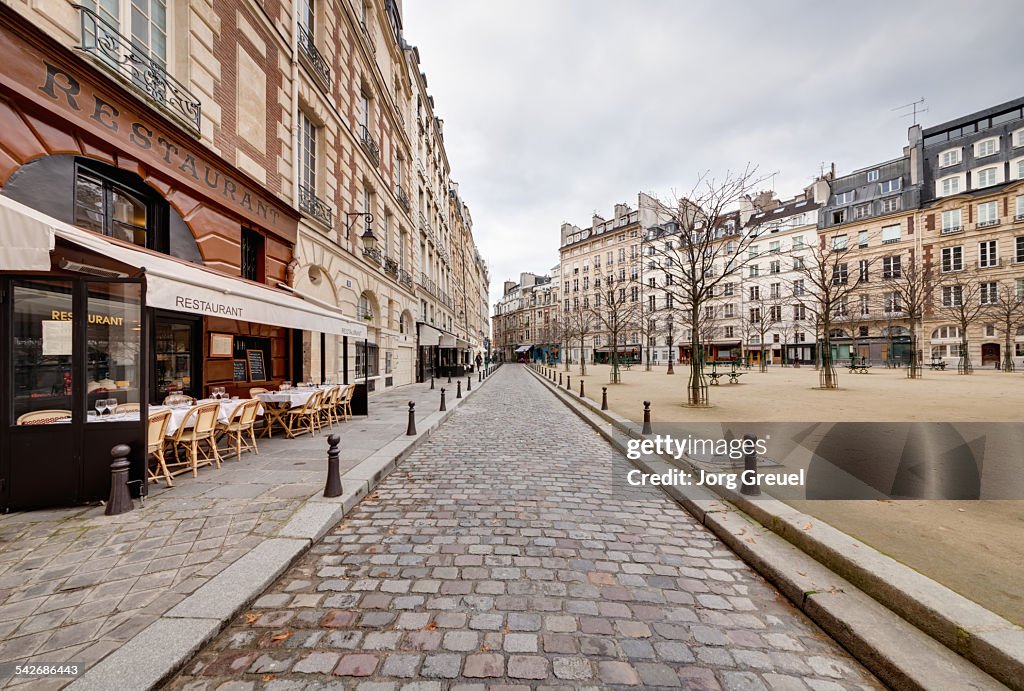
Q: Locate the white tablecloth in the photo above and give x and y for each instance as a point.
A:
(295, 398)
(227, 409)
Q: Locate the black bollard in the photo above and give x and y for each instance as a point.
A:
(442, 400)
(604, 398)
(647, 418)
(411, 429)
(751, 489)
(469, 383)
(458, 389)
(120, 500)
(333, 487)
(559, 378)
(431, 381)
(479, 377)
(581, 388)
(449, 375)
(568, 383)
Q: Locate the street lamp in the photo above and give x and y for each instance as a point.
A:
(368, 234)
(671, 369)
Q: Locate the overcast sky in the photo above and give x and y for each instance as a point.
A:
(555, 109)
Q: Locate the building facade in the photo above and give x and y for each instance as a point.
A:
(527, 320)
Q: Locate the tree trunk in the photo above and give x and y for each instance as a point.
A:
(914, 371)
(827, 377)
(964, 366)
(1008, 365)
(697, 389)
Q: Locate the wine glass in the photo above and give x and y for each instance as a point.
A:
(112, 404)
(100, 404)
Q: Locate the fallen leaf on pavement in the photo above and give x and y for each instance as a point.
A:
(807, 526)
(250, 617)
(284, 635)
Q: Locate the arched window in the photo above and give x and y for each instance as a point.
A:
(944, 332)
(365, 309)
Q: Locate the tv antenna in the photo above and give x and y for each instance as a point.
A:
(915, 108)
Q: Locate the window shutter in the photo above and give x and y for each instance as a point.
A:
(929, 222)
(910, 225)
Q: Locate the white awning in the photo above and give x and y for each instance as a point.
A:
(182, 286)
(447, 341)
(461, 345)
(429, 336)
(25, 241)
(523, 349)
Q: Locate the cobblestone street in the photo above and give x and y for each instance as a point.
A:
(506, 552)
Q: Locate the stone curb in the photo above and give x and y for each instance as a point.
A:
(165, 646)
(930, 631)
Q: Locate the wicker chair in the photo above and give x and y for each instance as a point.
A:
(306, 417)
(197, 429)
(241, 425)
(345, 403)
(156, 430)
(43, 417)
(255, 391)
(329, 406)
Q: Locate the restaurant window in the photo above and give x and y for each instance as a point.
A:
(367, 360)
(41, 348)
(175, 357)
(253, 264)
(114, 338)
(111, 202)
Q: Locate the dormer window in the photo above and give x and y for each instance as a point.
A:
(986, 147)
(844, 198)
(950, 157)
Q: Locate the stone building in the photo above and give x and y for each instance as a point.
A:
(527, 318)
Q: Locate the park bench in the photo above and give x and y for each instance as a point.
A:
(937, 364)
(734, 376)
(861, 367)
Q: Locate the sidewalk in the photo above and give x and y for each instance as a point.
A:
(76, 586)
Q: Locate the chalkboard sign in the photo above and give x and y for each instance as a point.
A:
(257, 372)
(240, 371)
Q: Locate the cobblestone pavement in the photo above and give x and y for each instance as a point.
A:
(506, 552)
(75, 584)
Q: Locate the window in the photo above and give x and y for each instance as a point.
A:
(798, 242)
(755, 315)
(752, 252)
(986, 147)
(989, 293)
(775, 290)
(891, 205)
(728, 289)
(775, 267)
(799, 311)
(952, 259)
(862, 239)
(775, 313)
(842, 308)
(367, 359)
(986, 177)
(650, 303)
(1017, 169)
(1019, 258)
(730, 311)
(861, 211)
(894, 185)
(798, 263)
(729, 331)
(951, 221)
(839, 242)
(252, 259)
(798, 287)
(1019, 289)
(891, 267)
(949, 158)
(119, 207)
(952, 296)
(988, 214)
(987, 257)
(949, 186)
(709, 312)
(1018, 138)
(892, 303)
(774, 246)
(755, 292)
(839, 217)
(841, 275)
(890, 234)
(800, 337)
(872, 175)
(622, 254)
(844, 197)
(753, 271)
(862, 270)
(865, 306)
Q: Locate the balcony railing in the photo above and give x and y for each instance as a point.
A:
(403, 198)
(133, 65)
(946, 230)
(369, 145)
(368, 37)
(315, 207)
(405, 278)
(987, 224)
(317, 63)
(428, 284)
(391, 266)
(992, 263)
(373, 255)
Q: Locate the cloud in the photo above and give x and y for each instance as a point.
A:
(555, 110)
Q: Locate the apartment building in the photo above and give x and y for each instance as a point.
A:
(527, 318)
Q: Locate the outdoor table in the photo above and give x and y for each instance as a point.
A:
(113, 417)
(178, 413)
(277, 404)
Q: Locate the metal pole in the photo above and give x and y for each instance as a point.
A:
(581, 388)
(333, 487)
(604, 398)
(559, 378)
(431, 379)
(647, 418)
(469, 383)
(442, 408)
(120, 499)
(411, 429)
(751, 489)
(458, 389)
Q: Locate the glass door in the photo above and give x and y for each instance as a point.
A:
(176, 357)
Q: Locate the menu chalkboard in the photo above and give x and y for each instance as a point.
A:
(240, 371)
(257, 372)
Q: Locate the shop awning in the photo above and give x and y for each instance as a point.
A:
(461, 345)
(182, 286)
(523, 349)
(25, 241)
(447, 341)
(429, 336)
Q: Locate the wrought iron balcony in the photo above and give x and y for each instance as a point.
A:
(139, 70)
(428, 284)
(391, 266)
(405, 278)
(403, 198)
(370, 146)
(368, 37)
(316, 62)
(373, 255)
(315, 207)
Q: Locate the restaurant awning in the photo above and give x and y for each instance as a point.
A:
(25, 241)
(461, 345)
(182, 286)
(429, 336)
(523, 349)
(447, 341)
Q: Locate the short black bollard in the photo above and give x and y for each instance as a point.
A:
(431, 381)
(442, 400)
(449, 375)
(750, 489)
(581, 388)
(411, 429)
(647, 418)
(469, 383)
(604, 398)
(120, 500)
(568, 383)
(559, 378)
(479, 377)
(333, 487)
(458, 389)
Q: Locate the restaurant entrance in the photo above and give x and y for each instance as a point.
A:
(177, 354)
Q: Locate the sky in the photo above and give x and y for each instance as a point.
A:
(558, 109)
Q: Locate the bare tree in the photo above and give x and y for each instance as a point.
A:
(1009, 312)
(958, 299)
(647, 326)
(581, 326)
(912, 286)
(827, 285)
(617, 310)
(702, 247)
